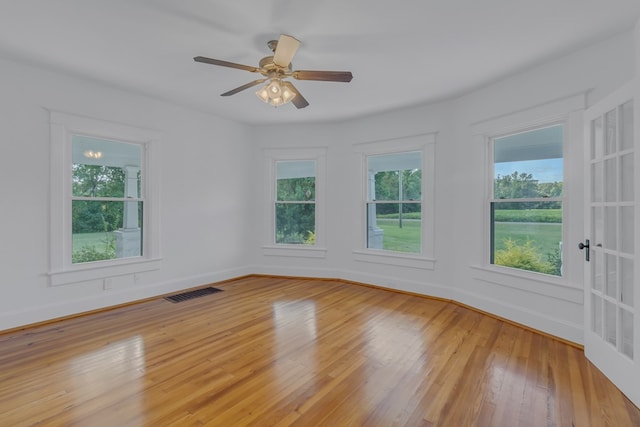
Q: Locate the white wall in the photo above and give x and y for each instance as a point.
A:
(212, 216)
(460, 191)
(204, 199)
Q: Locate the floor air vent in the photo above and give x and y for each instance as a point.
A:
(184, 296)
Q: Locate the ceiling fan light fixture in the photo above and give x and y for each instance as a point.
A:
(287, 94)
(275, 93)
(274, 89)
(263, 94)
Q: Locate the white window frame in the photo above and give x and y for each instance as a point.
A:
(63, 127)
(569, 112)
(425, 144)
(271, 156)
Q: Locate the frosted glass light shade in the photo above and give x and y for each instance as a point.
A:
(276, 93)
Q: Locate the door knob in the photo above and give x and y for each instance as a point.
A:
(585, 245)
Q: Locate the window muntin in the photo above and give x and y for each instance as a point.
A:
(295, 202)
(107, 201)
(526, 205)
(394, 202)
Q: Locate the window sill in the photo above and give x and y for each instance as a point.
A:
(299, 251)
(102, 270)
(395, 258)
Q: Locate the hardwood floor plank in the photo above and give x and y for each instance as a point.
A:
(295, 352)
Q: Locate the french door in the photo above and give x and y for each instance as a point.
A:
(612, 243)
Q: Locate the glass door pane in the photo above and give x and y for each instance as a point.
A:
(610, 141)
(626, 126)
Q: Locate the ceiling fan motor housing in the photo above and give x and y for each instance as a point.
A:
(269, 66)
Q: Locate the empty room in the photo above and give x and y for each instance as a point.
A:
(330, 213)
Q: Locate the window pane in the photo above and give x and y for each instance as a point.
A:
(529, 164)
(528, 236)
(596, 182)
(597, 219)
(627, 226)
(97, 181)
(597, 139)
(610, 132)
(626, 326)
(626, 127)
(395, 176)
(597, 269)
(105, 168)
(610, 228)
(626, 178)
(610, 180)
(596, 309)
(394, 227)
(295, 180)
(610, 327)
(626, 281)
(295, 223)
(611, 276)
(99, 231)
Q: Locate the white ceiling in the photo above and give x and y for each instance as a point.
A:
(401, 53)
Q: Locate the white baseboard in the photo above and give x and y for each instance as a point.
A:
(110, 298)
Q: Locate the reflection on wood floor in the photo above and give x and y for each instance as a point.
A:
(275, 351)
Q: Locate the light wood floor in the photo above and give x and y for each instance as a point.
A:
(271, 351)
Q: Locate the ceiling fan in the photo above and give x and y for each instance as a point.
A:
(276, 69)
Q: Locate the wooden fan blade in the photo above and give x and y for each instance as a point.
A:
(225, 64)
(297, 100)
(327, 76)
(243, 87)
(287, 47)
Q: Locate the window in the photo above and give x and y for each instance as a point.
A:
(396, 220)
(106, 199)
(104, 204)
(526, 212)
(394, 202)
(295, 205)
(294, 200)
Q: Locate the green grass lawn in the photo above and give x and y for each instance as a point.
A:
(97, 240)
(528, 215)
(405, 239)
